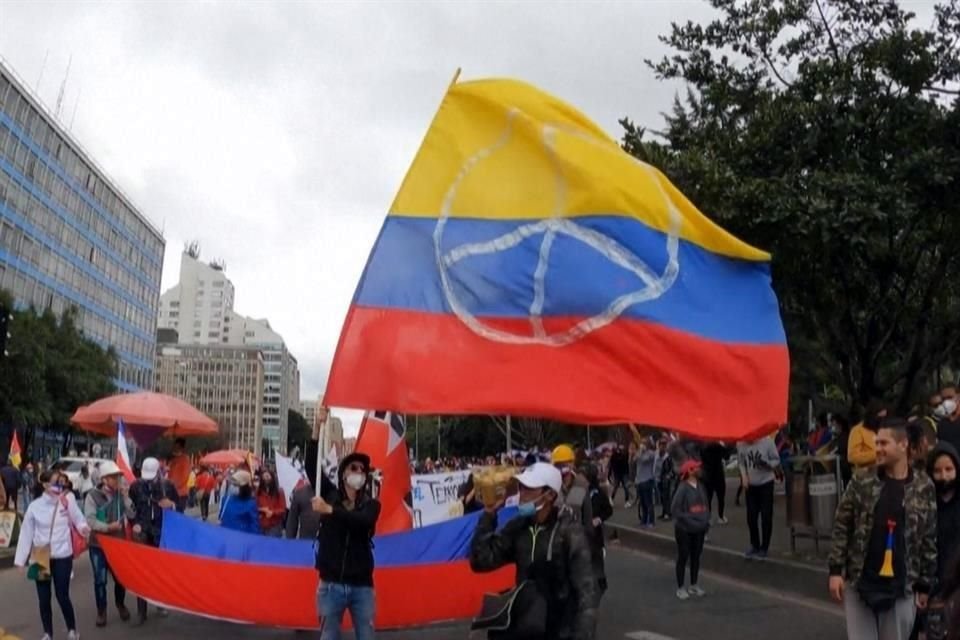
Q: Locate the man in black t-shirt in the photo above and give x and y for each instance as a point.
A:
(884, 556)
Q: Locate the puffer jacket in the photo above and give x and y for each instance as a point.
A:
(567, 580)
(854, 524)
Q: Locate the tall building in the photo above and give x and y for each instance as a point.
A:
(69, 237)
(200, 308)
(308, 409)
(225, 382)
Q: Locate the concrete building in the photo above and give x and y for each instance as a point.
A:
(69, 237)
(328, 430)
(224, 382)
(308, 409)
(200, 308)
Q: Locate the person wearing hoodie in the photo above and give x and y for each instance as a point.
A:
(942, 466)
(691, 520)
(240, 511)
(348, 519)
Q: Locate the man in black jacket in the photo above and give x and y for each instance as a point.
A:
(348, 519)
(551, 551)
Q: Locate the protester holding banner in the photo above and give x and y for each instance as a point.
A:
(348, 519)
(549, 551)
(107, 510)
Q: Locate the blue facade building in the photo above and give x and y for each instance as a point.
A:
(70, 238)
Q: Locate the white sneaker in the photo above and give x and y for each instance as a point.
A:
(73, 635)
(46, 636)
(627, 505)
(682, 594)
(723, 521)
(696, 591)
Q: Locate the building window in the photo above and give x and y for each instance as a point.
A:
(174, 304)
(174, 314)
(196, 334)
(213, 334)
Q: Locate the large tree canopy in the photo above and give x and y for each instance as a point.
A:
(828, 132)
(50, 370)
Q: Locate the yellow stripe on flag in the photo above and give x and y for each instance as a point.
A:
(504, 150)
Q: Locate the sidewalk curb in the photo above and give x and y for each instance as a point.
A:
(785, 576)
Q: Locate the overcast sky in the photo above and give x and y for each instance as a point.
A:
(277, 134)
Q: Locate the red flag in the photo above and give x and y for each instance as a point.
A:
(383, 437)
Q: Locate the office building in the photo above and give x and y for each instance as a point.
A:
(69, 237)
(225, 382)
(200, 308)
(308, 409)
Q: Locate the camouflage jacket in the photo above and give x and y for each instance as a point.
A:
(854, 524)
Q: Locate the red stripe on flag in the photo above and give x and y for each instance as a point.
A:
(407, 596)
(448, 369)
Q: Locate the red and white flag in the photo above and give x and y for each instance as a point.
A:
(383, 437)
(123, 454)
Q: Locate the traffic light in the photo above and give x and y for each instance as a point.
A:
(5, 318)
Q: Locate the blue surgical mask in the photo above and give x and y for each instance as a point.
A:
(56, 489)
(527, 509)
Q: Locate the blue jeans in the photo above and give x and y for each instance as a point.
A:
(59, 582)
(98, 560)
(645, 501)
(333, 599)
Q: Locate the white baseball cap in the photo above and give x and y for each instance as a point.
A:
(540, 475)
(150, 469)
(109, 468)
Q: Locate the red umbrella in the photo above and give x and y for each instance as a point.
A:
(227, 458)
(152, 414)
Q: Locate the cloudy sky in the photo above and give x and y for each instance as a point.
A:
(277, 134)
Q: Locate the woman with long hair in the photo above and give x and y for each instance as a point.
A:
(240, 510)
(271, 504)
(46, 545)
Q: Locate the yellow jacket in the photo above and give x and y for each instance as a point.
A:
(862, 447)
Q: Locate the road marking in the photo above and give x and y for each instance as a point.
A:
(647, 635)
(809, 603)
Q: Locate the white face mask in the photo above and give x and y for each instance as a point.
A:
(940, 411)
(356, 481)
(949, 407)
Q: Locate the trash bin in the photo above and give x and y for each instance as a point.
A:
(823, 501)
(798, 513)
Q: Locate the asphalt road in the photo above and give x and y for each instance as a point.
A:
(640, 605)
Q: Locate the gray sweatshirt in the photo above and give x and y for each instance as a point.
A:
(758, 460)
(690, 509)
(645, 462)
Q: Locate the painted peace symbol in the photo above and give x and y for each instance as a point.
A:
(655, 285)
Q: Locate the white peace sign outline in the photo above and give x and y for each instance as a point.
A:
(656, 285)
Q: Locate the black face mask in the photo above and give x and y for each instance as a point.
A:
(945, 486)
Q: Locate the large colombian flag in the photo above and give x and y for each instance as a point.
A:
(529, 266)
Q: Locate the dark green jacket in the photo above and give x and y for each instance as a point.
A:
(568, 583)
(854, 524)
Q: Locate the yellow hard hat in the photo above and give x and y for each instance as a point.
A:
(562, 454)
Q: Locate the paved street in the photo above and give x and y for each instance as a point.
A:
(641, 601)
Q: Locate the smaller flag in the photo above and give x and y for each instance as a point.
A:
(289, 477)
(123, 454)
(15, 451)
(886, 571)
(330, 464)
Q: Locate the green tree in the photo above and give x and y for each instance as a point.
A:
(298, 431)
(829, 134)
(51, 370)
